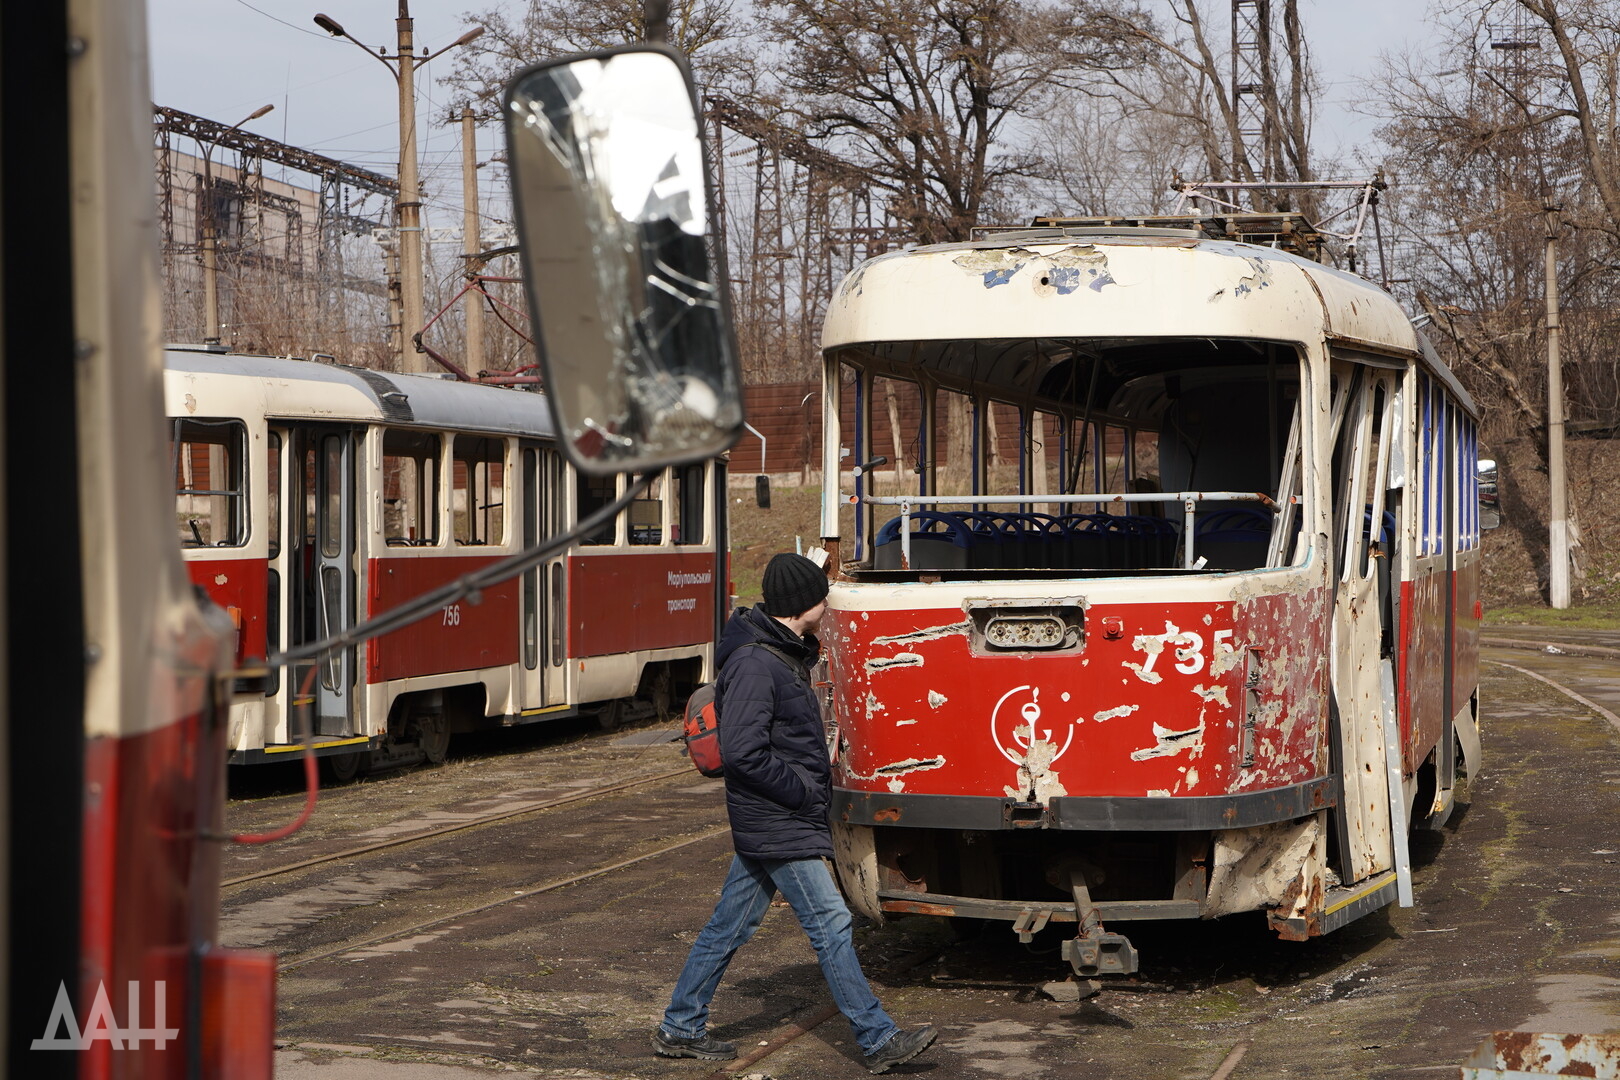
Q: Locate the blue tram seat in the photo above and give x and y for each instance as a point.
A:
(1234, 539)
(1157, 541)
(988, 536)
(1086, 537)
(1137, 542)
(939, 541)
(1386, 535)
(1026, 542)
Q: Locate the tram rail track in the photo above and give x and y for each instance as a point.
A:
(459, 826)
(537, 889)
(1587, 702)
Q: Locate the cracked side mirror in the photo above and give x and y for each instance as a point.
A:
(615, 221)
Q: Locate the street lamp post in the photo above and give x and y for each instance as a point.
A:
(210, 241)
(408, 207)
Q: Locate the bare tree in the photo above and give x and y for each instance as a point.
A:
(926, 95)
(1117, 153)
(709, 32)
(1486, 132)
(1188, 82)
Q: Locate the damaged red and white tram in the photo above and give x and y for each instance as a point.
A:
(1173, 611)
(311, 496)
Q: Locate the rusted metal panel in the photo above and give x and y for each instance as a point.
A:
(1160, 710)
(1510, 1055)
(1470, 615)
(1276, 867)
(1422, 686)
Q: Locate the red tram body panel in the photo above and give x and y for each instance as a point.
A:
(1152, 707)
(464, 637)
(658, 602)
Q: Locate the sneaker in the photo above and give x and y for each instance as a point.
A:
(902, 1047)
(707, 1047)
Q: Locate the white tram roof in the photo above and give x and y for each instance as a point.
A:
(206, 383)
(1096, 284)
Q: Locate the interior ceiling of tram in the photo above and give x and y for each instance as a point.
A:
(1123, 377)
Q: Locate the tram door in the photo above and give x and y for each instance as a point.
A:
(1363, 681)
(542, 603)
(321, 587)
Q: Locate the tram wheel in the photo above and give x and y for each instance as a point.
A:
(610, 717)
(433, 737)
(341, 768)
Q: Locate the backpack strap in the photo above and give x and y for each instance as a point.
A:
(794, 663)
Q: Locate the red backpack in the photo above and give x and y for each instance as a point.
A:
(702, 722)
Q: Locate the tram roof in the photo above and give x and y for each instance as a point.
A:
(1135, 285)
(236, 384)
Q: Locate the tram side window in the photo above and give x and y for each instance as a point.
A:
(688, 499)
(411, 489)
(1429, 433)
(1468, 484)
(591, 493)
(272, 470)
(647, 514)
(478, 490)
(210, 482)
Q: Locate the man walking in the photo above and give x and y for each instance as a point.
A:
(778, 791)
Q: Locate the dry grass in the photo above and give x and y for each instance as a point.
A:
(756, 534)
(1515, 571)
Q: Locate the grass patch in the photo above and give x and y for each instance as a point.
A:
(1599, 616)
(757, 534)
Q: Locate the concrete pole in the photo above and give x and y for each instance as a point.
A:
(1558, 533)
(472, 243)
(409, 206)
(210, 258)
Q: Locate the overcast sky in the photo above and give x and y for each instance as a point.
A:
(222, 59)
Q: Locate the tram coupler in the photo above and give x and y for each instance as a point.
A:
(1095, 951)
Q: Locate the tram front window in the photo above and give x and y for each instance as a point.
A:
(1003, 484)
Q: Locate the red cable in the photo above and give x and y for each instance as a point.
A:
(311, 785)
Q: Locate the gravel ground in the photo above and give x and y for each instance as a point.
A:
(1515, 927)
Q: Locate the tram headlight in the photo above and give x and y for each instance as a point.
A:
(1024, 632)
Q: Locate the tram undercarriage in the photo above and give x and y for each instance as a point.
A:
(1031, 878)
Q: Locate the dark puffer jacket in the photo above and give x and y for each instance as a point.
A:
(778, 780)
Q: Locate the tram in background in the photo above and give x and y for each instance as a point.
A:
(310, 496)
(1205, 641)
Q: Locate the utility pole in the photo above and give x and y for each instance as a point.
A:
(1558, 532)
(472, 244)
(408, 207)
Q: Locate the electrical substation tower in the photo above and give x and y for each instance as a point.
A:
(791, 223)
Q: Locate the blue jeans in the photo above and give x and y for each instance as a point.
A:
(747, 893)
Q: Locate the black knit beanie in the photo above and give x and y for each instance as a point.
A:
(793, 585)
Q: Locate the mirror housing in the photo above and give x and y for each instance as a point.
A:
(615, 223)
(1490, 506)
